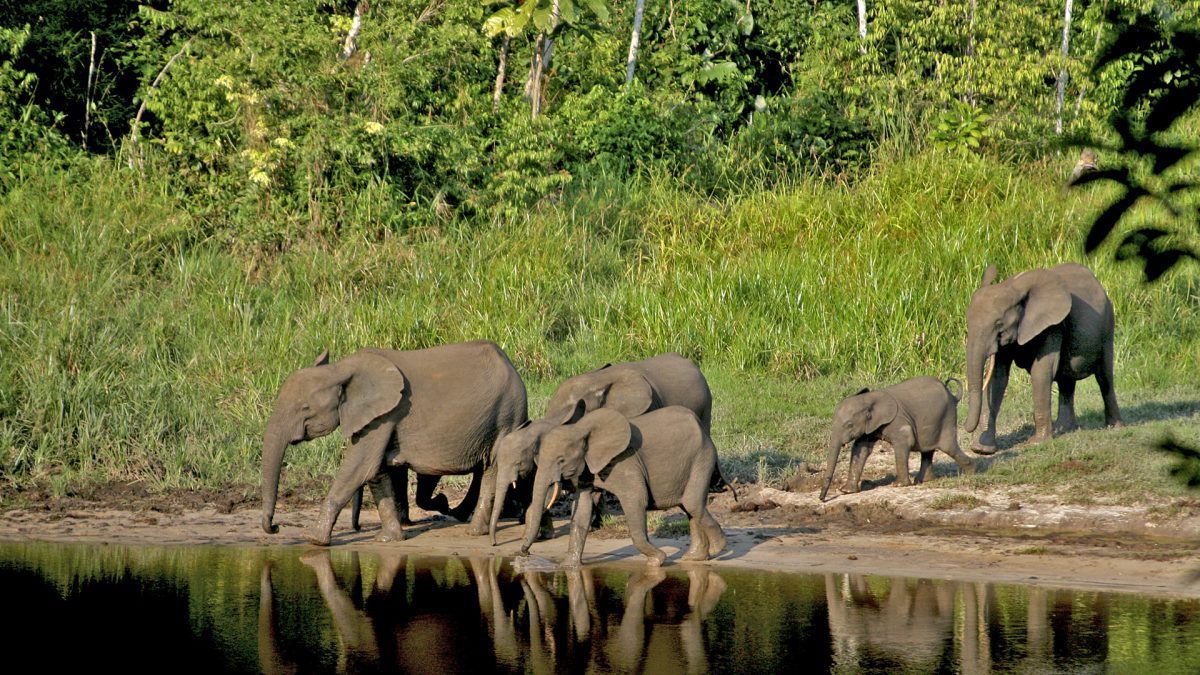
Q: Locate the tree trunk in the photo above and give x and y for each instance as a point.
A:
(1062, 72)
(87, 99)
(634, 40)
(862, 25)
(351, 44)
(501, 69)
(971, 97)
(135, 153)
(542, 61)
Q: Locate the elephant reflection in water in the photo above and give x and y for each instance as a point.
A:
(912, 623)
(909, 625)
(675, 640)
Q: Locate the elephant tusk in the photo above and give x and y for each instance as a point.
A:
(988, 377)
(554, 495)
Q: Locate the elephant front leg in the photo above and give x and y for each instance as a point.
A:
(581, 521)
(362, 463)
(985, 444)
(860, 450)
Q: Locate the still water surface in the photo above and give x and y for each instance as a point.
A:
(307, 610)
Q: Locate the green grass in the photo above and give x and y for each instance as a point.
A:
(132, 347)
(955, 501)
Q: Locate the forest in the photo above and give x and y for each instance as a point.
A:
(197, 198)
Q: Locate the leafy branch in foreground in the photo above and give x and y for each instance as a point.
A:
(1162, 88)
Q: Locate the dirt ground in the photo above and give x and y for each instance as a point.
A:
(921, 531)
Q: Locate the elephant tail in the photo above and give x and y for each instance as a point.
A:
(719, 484)
(958, 383)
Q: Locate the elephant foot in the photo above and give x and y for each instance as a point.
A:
(545, 532)
(984, 449)
(461, 515)
(1113, 424)
(1041, 437)
(969, 468)
(656, 559)
(1065, 428)
(477, 529)
(317, 541)
(387, 535)
(694, 556)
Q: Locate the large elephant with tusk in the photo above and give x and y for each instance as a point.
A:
(438, 411)
(1055, 323)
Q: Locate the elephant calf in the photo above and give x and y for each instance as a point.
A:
(654, 461)
(916, 415)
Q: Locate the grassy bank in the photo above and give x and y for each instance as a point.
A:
(134, 349)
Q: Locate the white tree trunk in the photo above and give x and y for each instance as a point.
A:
(862, 25)
(87, 99)
(542, 62)
(351, 44)
(498, 90)
(1062, 72)
(634, 40)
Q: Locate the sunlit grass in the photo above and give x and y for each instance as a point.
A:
(136, 348)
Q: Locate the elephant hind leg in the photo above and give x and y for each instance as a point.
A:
(716, 536)
(1066, 422)
(1104, 378)
(926, 470)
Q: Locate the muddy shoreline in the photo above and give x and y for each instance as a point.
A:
(1001, 537)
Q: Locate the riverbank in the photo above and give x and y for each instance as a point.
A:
(1003, 536)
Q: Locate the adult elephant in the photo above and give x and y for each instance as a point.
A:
(631, 388)
(438, 411)
(1055, 323)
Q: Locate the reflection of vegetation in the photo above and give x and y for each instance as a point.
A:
(394, 608)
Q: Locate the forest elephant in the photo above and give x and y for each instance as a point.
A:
(1057, 324)
(438, 411)
(916, 415)
(655, 461)
(631, 389)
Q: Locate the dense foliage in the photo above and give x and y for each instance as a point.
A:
(771, 195)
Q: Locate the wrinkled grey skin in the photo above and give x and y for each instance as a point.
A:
(655, 461)
(631, 389)
(1058, 325)
(916, 415)
(437, 411)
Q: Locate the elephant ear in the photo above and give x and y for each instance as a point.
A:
(989, 275)
(374, 388)
(575, 412)
(1047, 303)
(881, 411)
(608, 436)
(323, 359)
(630, 394)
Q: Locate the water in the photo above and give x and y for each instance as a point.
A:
(308, 610)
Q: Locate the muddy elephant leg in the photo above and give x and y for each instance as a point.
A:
(926, 470)
(362, 462)
(902, 477)
(860, 450)
(985, 444)
(949, 445)
(1104, 378)
(400, 489)
(716, 536)
(1065, 423)
(385, 501)
(695, 498)
(1045, 366)
(483, 505)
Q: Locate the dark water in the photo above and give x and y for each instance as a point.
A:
(306, 610)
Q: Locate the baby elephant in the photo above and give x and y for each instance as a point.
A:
(654, 461)
(917, 415)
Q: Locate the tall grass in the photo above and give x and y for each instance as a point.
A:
(132, 347)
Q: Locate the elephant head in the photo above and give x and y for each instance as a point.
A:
(621, 389)
(515, 455)
(1014, 311)
(312, 402)
(575, 452)
(860, 415)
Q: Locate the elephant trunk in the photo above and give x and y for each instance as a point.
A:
(976, 355)
(274, 441)
(542, 482)
(835, 448)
